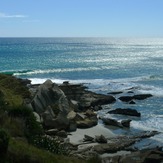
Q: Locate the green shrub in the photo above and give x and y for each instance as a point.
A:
(4, 140)
(51, 145)
(20, 111)
(2, 102)
(32, 127)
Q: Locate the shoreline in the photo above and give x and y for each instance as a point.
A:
(77, 137)
(72, 114)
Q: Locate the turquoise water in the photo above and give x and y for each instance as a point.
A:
(103, 64)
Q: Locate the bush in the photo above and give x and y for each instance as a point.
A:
(32, 127)
(4, 140)
(51, 145)
(20, 111)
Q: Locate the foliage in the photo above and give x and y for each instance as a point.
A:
(19, 151)
(13, 90)
(51, 145)
(4, 140)
(32, 127)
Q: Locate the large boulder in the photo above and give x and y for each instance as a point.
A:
(112, 122)
(127, 111)
(51, 103)
(86, 119)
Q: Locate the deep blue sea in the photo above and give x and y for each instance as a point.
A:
(103, 64)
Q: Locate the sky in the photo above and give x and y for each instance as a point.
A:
(81, 18)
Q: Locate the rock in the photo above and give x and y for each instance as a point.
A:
(80, 116)
(126, 123)
(103, 101)
(112, 122)
(130, 92)
(88, 138)
(132, 102)
(72, 126)
(87, 123)
(71, 115)
(62, 134)
(90, 113)
(145, 134)
(97, 108)
(113, 147)
(141, 96)
(51, 132)
(38, 119)
(100, 139)
(142, 156)
(121, 142)
(136, 97)
(51, 103)
(115, 93)
(128, 111)
(86, 119)
(126, 98)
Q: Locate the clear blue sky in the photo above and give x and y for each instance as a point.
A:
(81, 18)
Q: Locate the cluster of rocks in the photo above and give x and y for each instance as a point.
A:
(66, 107)
(143, 156)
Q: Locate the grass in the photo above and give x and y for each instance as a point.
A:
(19, 151)
(14, 92)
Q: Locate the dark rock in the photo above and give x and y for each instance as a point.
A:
(103, 101)
(130, 92)
(126, 98)
(136, 97)
(88, 138)
(51, 132)
(87, 123)
(62, 134)
(100, 139)
(72, 126)
(112, 122)
(115, 93)
(128, 111)
(141, 96)
(85, 98)
(97, 108)
(126, 123)
(146, 134)
(132, 102)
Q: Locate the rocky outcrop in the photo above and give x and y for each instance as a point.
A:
(113, 122)
(143, 156)
(127, 111)
(121, 143)
(67, 106)
(135, 97)
(85, 98)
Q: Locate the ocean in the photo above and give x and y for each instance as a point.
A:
(102, 64)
